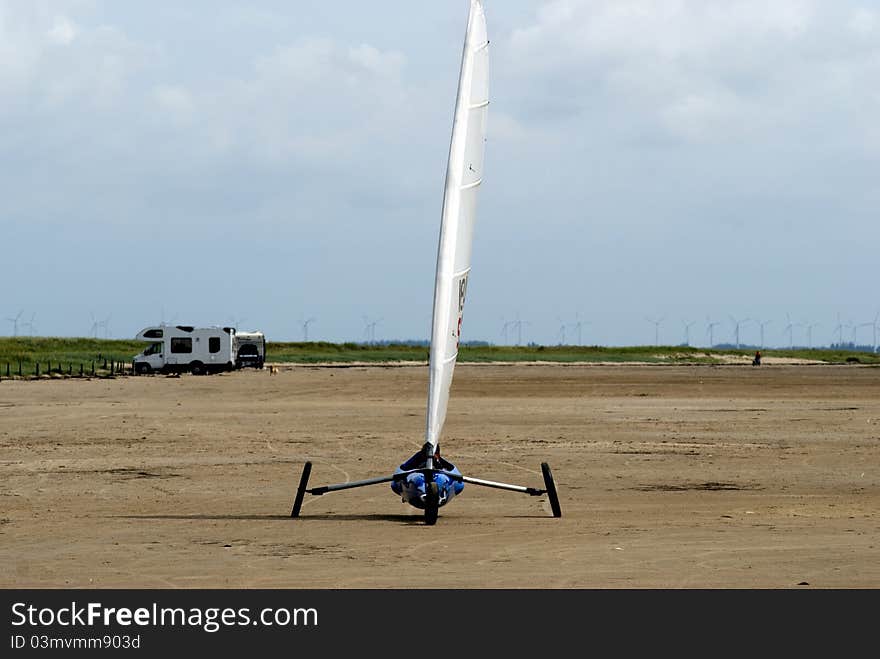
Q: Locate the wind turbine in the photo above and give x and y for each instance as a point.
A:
(14, 322)
(561, 332)
(789, 329)
(875, 325)
(849, 324)
(236, 321)
(106, 325)
(736, 325)
(518, 324)
(93, 330)
(809, 327)
(872, 324)
(30, 324)
(711, 324)
(507, 324)
(839, 329)
(305, 327)
(656, 322)
(687, 331)
(162, 321)
(763, 325)
(370, 329)
(577, 327)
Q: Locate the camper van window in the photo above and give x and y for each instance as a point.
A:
(153, 349)
(181, 344)
(153, 334)
(214, 344)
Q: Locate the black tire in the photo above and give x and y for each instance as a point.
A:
(550, 485)
(142, 369)
(197, 368)
(432, 503)
(301, 490)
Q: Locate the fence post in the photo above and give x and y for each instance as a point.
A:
(19, 368)
(80, 369)
(93, 367)
(36, 369)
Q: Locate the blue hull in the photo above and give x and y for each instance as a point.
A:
(412, 488)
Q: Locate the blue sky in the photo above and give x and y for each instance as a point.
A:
(270, 162)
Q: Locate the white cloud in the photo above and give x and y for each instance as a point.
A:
(62, 32)
(864, 22)
(176, 102)
(706, 117)
(383, 65)
(315, 99)
(699, 70)
(49, 60)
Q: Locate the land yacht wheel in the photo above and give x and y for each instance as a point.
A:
(432, 503)
(550, 485)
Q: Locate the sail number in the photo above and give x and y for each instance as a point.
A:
(462, 291)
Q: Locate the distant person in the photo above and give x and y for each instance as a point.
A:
(757, 360)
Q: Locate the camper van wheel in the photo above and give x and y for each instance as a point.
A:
(432, 503)
(142, 369)
(551, 490)
(197, 368)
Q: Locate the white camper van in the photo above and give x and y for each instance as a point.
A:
(177, 348)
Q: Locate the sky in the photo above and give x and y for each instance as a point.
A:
(653, 168)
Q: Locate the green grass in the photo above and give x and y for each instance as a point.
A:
(63, 353)
(70, 353)
(315, 352)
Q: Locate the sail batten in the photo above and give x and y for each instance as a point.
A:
(464, 175)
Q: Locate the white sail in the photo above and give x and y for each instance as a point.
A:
(464, 174)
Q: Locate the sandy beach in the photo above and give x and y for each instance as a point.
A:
(669, 476)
